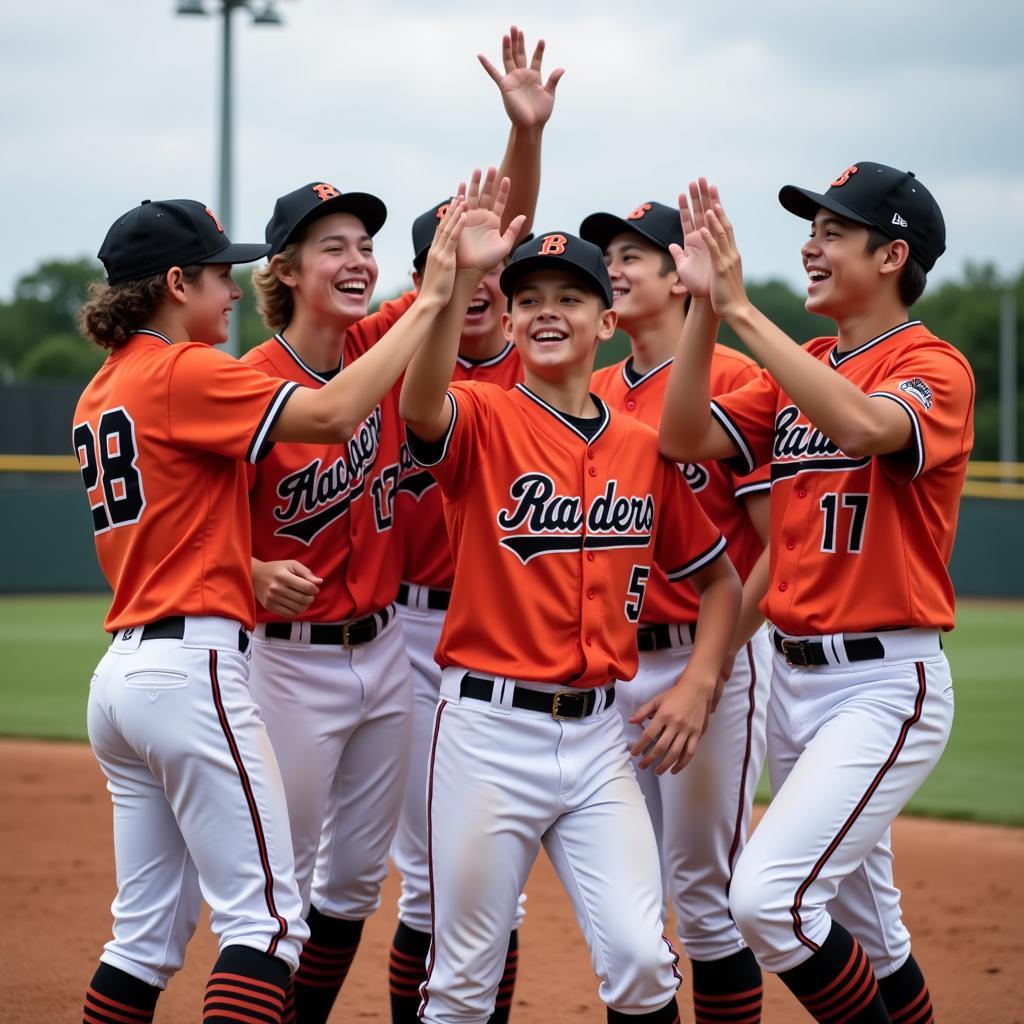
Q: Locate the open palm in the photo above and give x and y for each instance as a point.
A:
(693, 260)
(528, 99)
(483, 245)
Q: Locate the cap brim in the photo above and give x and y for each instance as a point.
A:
(518, 269)
(601, 228)
(806, 204)
(238, 252)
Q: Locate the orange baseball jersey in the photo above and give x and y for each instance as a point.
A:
(720, 493)
(331, 506)
(161, 433)
(862, 544)
(427, 554)
(554, 536)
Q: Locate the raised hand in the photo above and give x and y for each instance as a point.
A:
(728, 293)
(528, 99)
(482, 244)
(693, 261)
(439, 273)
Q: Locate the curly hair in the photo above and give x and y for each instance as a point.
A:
(115, 311)
(273, 297)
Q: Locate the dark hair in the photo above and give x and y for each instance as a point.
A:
(913, 276)
(115, 311)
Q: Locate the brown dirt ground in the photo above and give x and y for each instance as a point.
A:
(963, 898)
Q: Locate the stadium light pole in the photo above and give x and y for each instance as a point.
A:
(264, 12)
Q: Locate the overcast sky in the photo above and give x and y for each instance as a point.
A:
(107, 102)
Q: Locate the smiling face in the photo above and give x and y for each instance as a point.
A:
(336, 269)
(209, 303)
(556, 322)
(483, 318)
(843, 277)
(644, 280)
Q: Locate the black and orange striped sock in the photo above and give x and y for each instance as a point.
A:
(727, 991)
(507, 985)
(245, 986)
(837, 983)
(407, 970)
(906, 995)
(324, 965)
(114, 997)
(288, 1013)
(667, 1014)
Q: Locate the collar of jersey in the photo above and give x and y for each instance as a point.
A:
(602, 408)
(154, 334)
(476, 364)
(835, 357)
(279, 337)
(643, 377)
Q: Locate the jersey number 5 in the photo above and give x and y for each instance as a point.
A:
(830, 505)
(637, 588)
(109, 457)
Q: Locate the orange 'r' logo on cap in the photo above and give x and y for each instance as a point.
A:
(442, 210)
(325, 191)
(845, 176)
(213, 217)
(552, 245)
(639, 212)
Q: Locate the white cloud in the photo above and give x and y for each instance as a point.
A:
(115, 101)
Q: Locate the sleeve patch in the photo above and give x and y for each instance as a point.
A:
(916, 388)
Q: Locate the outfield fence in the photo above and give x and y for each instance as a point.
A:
(47, 545)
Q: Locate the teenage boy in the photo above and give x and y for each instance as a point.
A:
(484, 355)
(868, 434)
(556, 508)
(701, 816)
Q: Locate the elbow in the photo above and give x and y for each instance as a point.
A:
(340, 429)
(860, 440)
(672, 446)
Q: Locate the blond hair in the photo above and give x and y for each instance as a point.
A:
(273, 297)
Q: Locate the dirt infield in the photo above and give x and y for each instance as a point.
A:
(963, 896)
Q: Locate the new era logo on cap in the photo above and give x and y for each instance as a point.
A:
(882, 197)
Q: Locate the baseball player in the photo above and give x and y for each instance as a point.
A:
(868, 434)
(329, 669)
(484, 355)
(162, 434)
(555, 509)
(702, 815)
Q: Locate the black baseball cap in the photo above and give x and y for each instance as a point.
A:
(294, 211)
(156, 236)
(881, 197)
(656, 222)
(558, 249)
(424, 228)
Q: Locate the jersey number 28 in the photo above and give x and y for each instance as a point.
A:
(109, 457)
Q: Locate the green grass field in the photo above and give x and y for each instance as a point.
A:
(49, 645)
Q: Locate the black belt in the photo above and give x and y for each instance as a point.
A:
(560, 705)
(173, 628)
(658, 636)
(437, 600)
(805, 653)
(342, 634)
